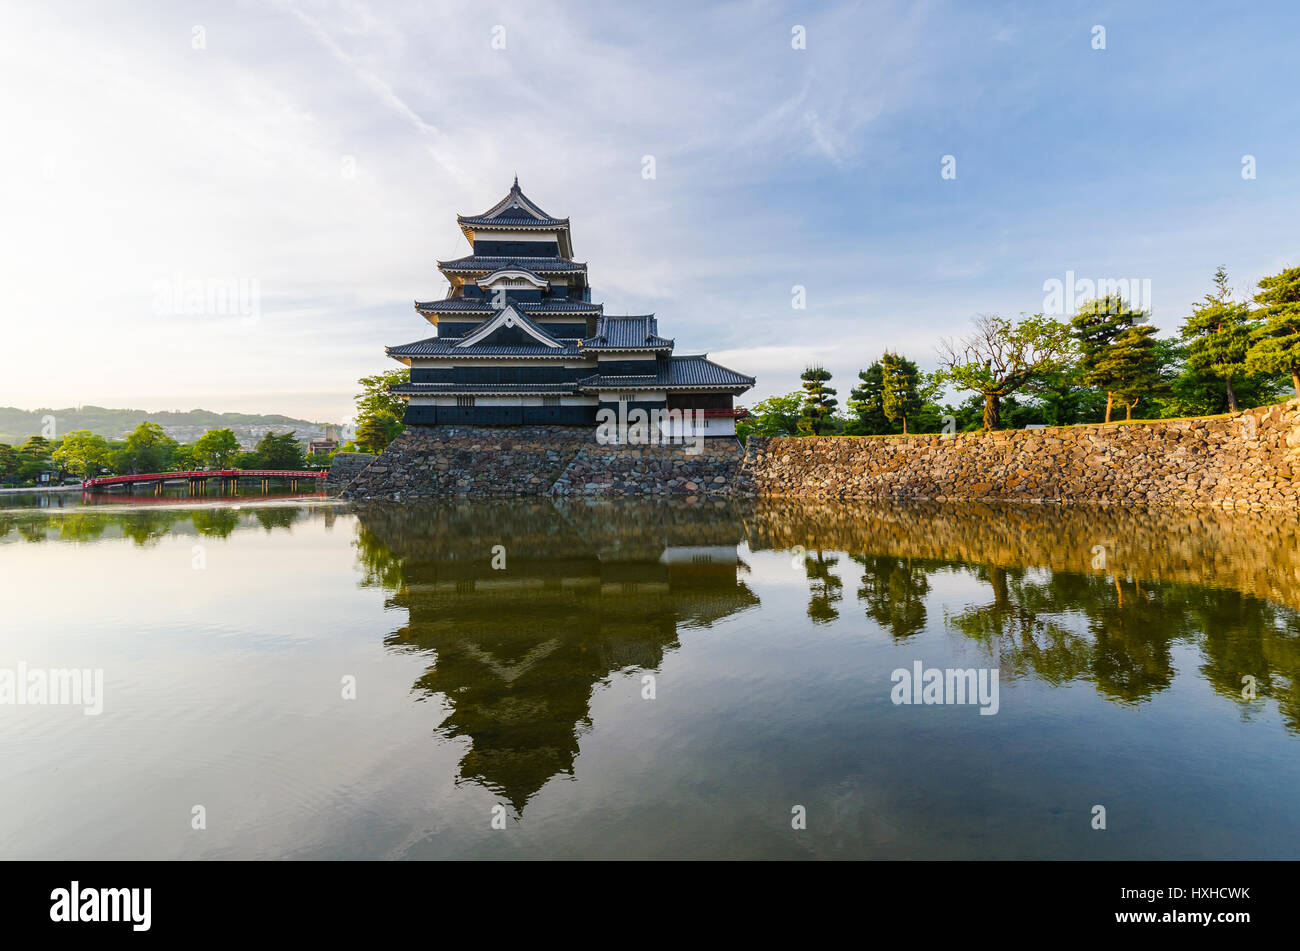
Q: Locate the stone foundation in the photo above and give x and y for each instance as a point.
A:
(613, 471)
(345, 467)
(1247, 461)
(489, 462)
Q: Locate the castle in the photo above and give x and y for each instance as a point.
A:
(520, 343)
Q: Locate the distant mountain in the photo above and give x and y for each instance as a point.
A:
(17, 424)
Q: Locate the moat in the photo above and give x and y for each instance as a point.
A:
(626, 679)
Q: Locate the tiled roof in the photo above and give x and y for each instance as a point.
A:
(488, 263)
(416, 389)
(627, 333)
(522, 220)
(675, 372)
(515, 210)
(560, 307)
(481, 305)
(453, 305)
(448, 346)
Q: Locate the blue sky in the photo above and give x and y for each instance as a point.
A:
(316, 154)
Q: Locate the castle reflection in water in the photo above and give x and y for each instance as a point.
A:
(528, 606)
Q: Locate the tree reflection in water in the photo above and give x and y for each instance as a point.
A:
(1226, 584)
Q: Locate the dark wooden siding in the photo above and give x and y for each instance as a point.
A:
(501, 415)
(505, 249)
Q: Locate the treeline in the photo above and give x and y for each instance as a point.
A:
(83, 454)
(1041, 371)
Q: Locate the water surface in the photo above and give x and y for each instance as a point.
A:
(502, 657)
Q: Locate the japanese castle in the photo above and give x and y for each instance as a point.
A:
(519, 342)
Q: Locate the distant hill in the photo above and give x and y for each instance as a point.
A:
(17, 424)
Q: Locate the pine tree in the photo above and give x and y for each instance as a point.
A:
(1097, 326)
(1276, 347)
(1129, 367)
(818, 402)
(1219, 336)
(866, 401)
(900, 397)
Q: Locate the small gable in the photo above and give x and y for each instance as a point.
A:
(509, 328)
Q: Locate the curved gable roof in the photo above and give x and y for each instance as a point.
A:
(498, 332)
(517, 212)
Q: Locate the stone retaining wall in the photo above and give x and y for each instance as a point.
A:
(1247, 461)
(438, 462)
(490, 462)
(344, 467)
(615, 471)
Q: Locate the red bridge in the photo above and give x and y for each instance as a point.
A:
(198, 478)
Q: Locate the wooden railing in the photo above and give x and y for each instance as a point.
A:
(207, 474)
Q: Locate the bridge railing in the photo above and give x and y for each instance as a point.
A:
(206, 474)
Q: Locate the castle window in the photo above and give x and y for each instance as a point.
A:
(464, 401)
(550, 401)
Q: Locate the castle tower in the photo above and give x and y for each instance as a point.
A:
(519, 341)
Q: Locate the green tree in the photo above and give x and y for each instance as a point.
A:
(216, 447)
(10, 461)
(30, 469)
(930, 418)
(815, 417)
(1192, 393)
(185, 458)
(374, 398)
(867, 402)
(1001, 357)
(373, 434)
(1218, 335)
(1096, 326)
(1130, 367)
(280, 451)
(379, 412)
(1063, 397)
(37, 448)
(147, 449)
(1276, 347)
(81, 453)
(774, 416)
(900, 395)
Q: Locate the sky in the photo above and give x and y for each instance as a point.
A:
(233, 205)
